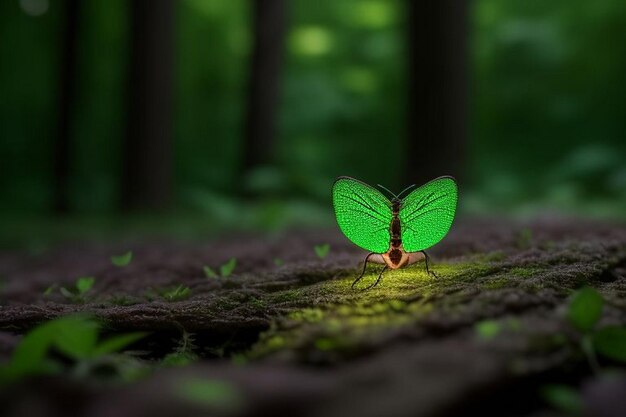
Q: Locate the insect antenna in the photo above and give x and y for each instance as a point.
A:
(405, 190)
(386, 189)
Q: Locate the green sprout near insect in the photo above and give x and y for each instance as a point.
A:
(321, 250)
(122, 260)
(395, 231)
(226, 269)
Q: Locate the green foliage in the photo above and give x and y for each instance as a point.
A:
(226, 269)
(611, 343)
(73, 337)
(177, 293)
(84, 284)
(279, 262)
(213, 394)
(76, 294)
(209, 272)
(563, 398)
(322, 250)
(122, 260)
(585, 309)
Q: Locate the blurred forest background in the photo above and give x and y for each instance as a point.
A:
(196, 116)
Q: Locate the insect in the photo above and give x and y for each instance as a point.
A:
(395, 230)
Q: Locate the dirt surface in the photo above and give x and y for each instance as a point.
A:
(295, 339)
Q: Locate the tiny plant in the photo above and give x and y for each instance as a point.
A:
(76, 294)
(584, 312)
(226, 269)
(209, 272)
(177, 293)
(279, 262)
(122, 260)
(184, 352)
(73, 338)
(322, 250)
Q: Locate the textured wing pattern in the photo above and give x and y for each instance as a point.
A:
(427, 213)
(363, 214)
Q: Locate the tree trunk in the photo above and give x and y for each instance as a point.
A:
(67, 95)
(147, 176)
(438, 74)
(269, 22)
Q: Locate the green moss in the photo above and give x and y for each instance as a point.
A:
(311, 315)
(258, 303)
(286, 296)
(344, 317)
(495, 283)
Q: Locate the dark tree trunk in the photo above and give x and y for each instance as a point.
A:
(269, 23)
(67, 95)
(147, 176)
(438, 74)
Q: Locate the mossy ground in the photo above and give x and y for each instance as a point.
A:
(490, 325)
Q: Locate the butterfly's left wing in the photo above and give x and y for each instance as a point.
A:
(363, 214)
(426, 214)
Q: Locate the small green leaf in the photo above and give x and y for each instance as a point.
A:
(76, 336)
(84, 284)
(611, 342)
(279, 262)
(67, 293)
(209, 272)
(50, 289)
(228, 267)
(122, 260)
(117, 343)
(30, 354)
(179, 293)
(487, 329)
(322, 250)
(563, 398)
(585, 309)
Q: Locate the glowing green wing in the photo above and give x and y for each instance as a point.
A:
(363, 214)
(426, 214)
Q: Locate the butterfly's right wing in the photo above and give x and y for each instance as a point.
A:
(363, 214)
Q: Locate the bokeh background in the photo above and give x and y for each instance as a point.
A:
(200, 116)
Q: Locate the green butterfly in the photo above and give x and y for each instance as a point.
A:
(396, 231)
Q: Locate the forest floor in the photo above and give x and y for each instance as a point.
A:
(284, 334)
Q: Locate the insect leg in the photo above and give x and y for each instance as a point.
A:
(377, 279)
(427, 259)
(364, 267)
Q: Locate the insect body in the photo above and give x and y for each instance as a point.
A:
(395, 231)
